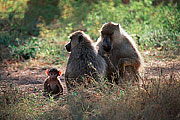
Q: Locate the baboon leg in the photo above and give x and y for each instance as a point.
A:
(56, 89)
(112, 72)
(118, 74)
(128, 69)
(131, 75)
(123, 62)
(57, 92)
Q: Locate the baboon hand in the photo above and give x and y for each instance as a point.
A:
(121, 65)
(109, 63)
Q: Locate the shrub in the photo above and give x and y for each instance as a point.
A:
(26, 51)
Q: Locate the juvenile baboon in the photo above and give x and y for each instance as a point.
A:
(52, 84)
(84, 59)
(117, 46)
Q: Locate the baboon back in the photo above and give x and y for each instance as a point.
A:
(83, 60)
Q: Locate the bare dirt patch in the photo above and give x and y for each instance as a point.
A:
(31, 78)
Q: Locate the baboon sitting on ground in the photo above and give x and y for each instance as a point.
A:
(119, 51)
(52, 84)
(84, 60)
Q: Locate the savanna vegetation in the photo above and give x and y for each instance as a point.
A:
(32, 38)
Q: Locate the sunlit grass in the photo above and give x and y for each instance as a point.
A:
(156, 98)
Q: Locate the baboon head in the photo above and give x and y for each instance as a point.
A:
(77, 38)
(53, 73)
(107, 34)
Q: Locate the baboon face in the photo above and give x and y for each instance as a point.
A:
(76, 38)
(107, 43)
(53, 73)
(107, 32)
(68, 47)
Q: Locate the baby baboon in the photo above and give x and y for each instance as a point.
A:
(52, 84)
(121, 50)
(84, 59)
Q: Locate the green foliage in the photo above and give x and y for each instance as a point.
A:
(52, 51)
(152, 27)
(26, 51)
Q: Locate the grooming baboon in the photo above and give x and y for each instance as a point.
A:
(120, 49)
(52, 84)
(84, 59)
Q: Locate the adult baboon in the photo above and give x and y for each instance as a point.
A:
(121, 51)
(84, 59)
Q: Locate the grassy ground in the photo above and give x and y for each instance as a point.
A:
(22, 86)
(32, 39)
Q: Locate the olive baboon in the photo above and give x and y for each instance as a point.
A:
(52, 84)
(84, 59)
(115, 44)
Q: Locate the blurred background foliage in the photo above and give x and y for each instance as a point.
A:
(40, 28)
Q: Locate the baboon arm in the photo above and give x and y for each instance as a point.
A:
(123, 62)
(60, 88)
(45, 92)
(109, 63)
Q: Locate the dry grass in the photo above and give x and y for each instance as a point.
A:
(155, 99)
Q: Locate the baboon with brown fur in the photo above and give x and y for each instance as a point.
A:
(119, 51)
(52, 84)
(84, 59)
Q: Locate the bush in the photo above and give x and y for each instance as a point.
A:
(151, 26)
(26, 51)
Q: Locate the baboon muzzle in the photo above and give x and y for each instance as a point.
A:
(107, 44)
(68, 47)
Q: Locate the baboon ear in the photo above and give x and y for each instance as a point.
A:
(47, 72)
(80, 38)
(59, 72)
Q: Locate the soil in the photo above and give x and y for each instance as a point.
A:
(31, 78)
